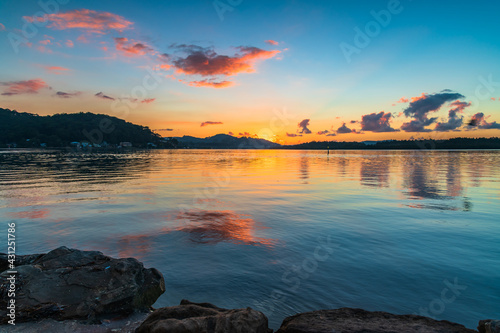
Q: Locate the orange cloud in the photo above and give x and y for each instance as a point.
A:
(206, 62)
(56, 69)
(417, 98)
(91, 20)
(45, 42)
(210, 123)
(212, 84)
(403, 100)
(271, 42)
(24, 87)
(148, 100)
(131, 48)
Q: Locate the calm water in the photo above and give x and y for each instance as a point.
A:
(280, 231)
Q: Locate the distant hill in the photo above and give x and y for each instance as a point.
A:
(59, 130)
(455, 143)
(224, 141)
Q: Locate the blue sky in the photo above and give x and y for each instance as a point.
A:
(424, 47)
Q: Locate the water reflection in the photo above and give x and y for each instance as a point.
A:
(217, 226)
(375, 171)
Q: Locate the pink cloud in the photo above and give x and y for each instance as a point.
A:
(271, 42)
(2, 27)
(69, 43)
(24, 87)
(131, 48)
(211, 84)
(206, 62)
(148, 100)
(45, 42)
(91, 20)
(56, 69)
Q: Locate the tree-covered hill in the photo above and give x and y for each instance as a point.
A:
(59, 130)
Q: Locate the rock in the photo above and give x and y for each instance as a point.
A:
(357, 320)
(191, 317)
(489, 326)
(73, 284)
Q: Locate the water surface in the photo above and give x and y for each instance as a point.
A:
(281, 231)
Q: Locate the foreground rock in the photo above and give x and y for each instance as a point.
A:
(347, 320)
(73, 284)
(204, 318)
(489, 326)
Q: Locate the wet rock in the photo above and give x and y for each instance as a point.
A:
(191, 317)
(73, 284)
(347, 320)
(489, 326)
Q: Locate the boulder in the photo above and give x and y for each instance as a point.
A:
(489, 326)
(73, 284)
(357, 320)
(191, 317)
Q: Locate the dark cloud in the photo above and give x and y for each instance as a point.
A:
(454, 121)
(331, 134)
(420, 107)
(354, 122)
(303, 127)
(63, 94)
(344, 129)
(231, 133)
(323, 132)
(210, 123)
(292, 135)
(377, 122)
(206, 62)
(165, 129)
(101, 95)
(478, 120)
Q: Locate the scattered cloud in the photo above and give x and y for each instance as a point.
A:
(45, 42)
(272, 42)
(230, 133)
(2, 27)
(211, 83)
(89, 20)
(101, 95)
(206, 62)
(23, 87)
(303, 127)
(69, 43)
(63, 94)
(344, 129)
(331, 134)
(292, 135)
(323, 132)
(479, 120)
(210, 123)
(131, 48)
(421, 106)
(377, 122)
(148, 100)
(56, 69)
(165, 129)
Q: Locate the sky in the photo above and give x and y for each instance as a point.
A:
(286, 71)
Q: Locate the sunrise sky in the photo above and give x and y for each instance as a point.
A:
(286, 71)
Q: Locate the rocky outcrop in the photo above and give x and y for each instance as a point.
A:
(191, 317)
(489, 326)
(73, 284)
(347, 320)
